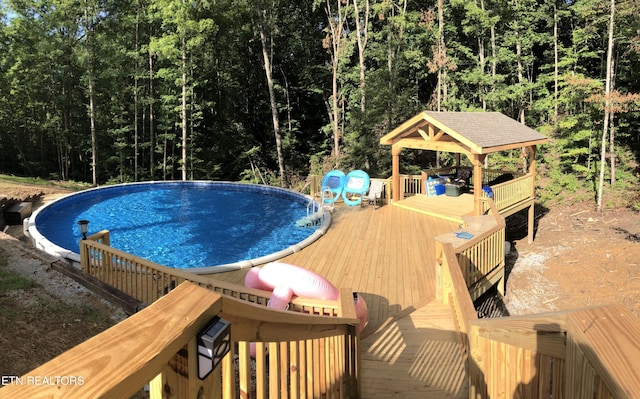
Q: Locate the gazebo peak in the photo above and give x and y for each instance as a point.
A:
(475, 132)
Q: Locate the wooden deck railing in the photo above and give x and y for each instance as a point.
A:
(410, 185)
(587, 353)
(452, 290)
(313, 361)
(488, 175)
(509, 195)
(481, 259)
(309, 356)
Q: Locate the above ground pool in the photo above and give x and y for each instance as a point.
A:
(203, 227)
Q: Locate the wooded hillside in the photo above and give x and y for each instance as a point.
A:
(269, 90)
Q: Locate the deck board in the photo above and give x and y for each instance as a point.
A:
(440, 206)
(414, 356)
(409, 347)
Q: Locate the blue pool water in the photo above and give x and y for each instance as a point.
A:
(182, 224)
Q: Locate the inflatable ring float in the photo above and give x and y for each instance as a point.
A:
(286, 281)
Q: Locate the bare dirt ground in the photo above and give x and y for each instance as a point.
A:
(579, 258)
(43, 313)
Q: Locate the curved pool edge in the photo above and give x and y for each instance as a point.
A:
(247, 264)
(40, 242)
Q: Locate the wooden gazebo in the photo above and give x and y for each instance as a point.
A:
(474, 134)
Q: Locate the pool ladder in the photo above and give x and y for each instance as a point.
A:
(326, 202)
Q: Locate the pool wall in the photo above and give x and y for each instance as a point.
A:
(40, 242)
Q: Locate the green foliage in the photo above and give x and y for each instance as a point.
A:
(164, 65)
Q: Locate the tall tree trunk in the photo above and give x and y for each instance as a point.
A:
(612, 148)
(482, 61)
(192, 95)
(555, 63)
(334, 43)
(92, 106)
(394, 44)
(519, 67)
(152, 125)
(481, 65)
(441, 54)
(362, 36)
(607, 104)
(135, 98)
(184, 103)
(268, 69)
(164, 157)
(612, 129)
(494, 55)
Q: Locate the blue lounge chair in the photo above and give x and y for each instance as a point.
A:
(333, 181)
(355, 187)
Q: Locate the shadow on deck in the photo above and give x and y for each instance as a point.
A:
(410, 347)
(415, 355)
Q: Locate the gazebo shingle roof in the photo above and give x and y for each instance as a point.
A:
(479, 131)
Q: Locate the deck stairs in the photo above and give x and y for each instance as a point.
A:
(417, 354)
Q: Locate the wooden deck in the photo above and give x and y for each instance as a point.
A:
(441, 206)
(409, 347)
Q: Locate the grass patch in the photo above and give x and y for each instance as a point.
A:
(36, 326)
(10, 281)
(36, 181)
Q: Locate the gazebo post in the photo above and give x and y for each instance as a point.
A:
(478, 160)
(395, 171)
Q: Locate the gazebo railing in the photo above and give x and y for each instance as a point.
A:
(513, 192)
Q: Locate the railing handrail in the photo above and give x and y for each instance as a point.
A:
(252, 295)
(145, 343)
(544, 333)
(454, 289)
(597, 347)
(307, 328)
(525, 183)
(281, 325)
(593, 350)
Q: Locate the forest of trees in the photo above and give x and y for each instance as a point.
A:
(107, 91)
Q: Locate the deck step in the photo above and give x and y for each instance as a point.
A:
(417, 355)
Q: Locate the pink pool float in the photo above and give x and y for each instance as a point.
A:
(286, 281)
